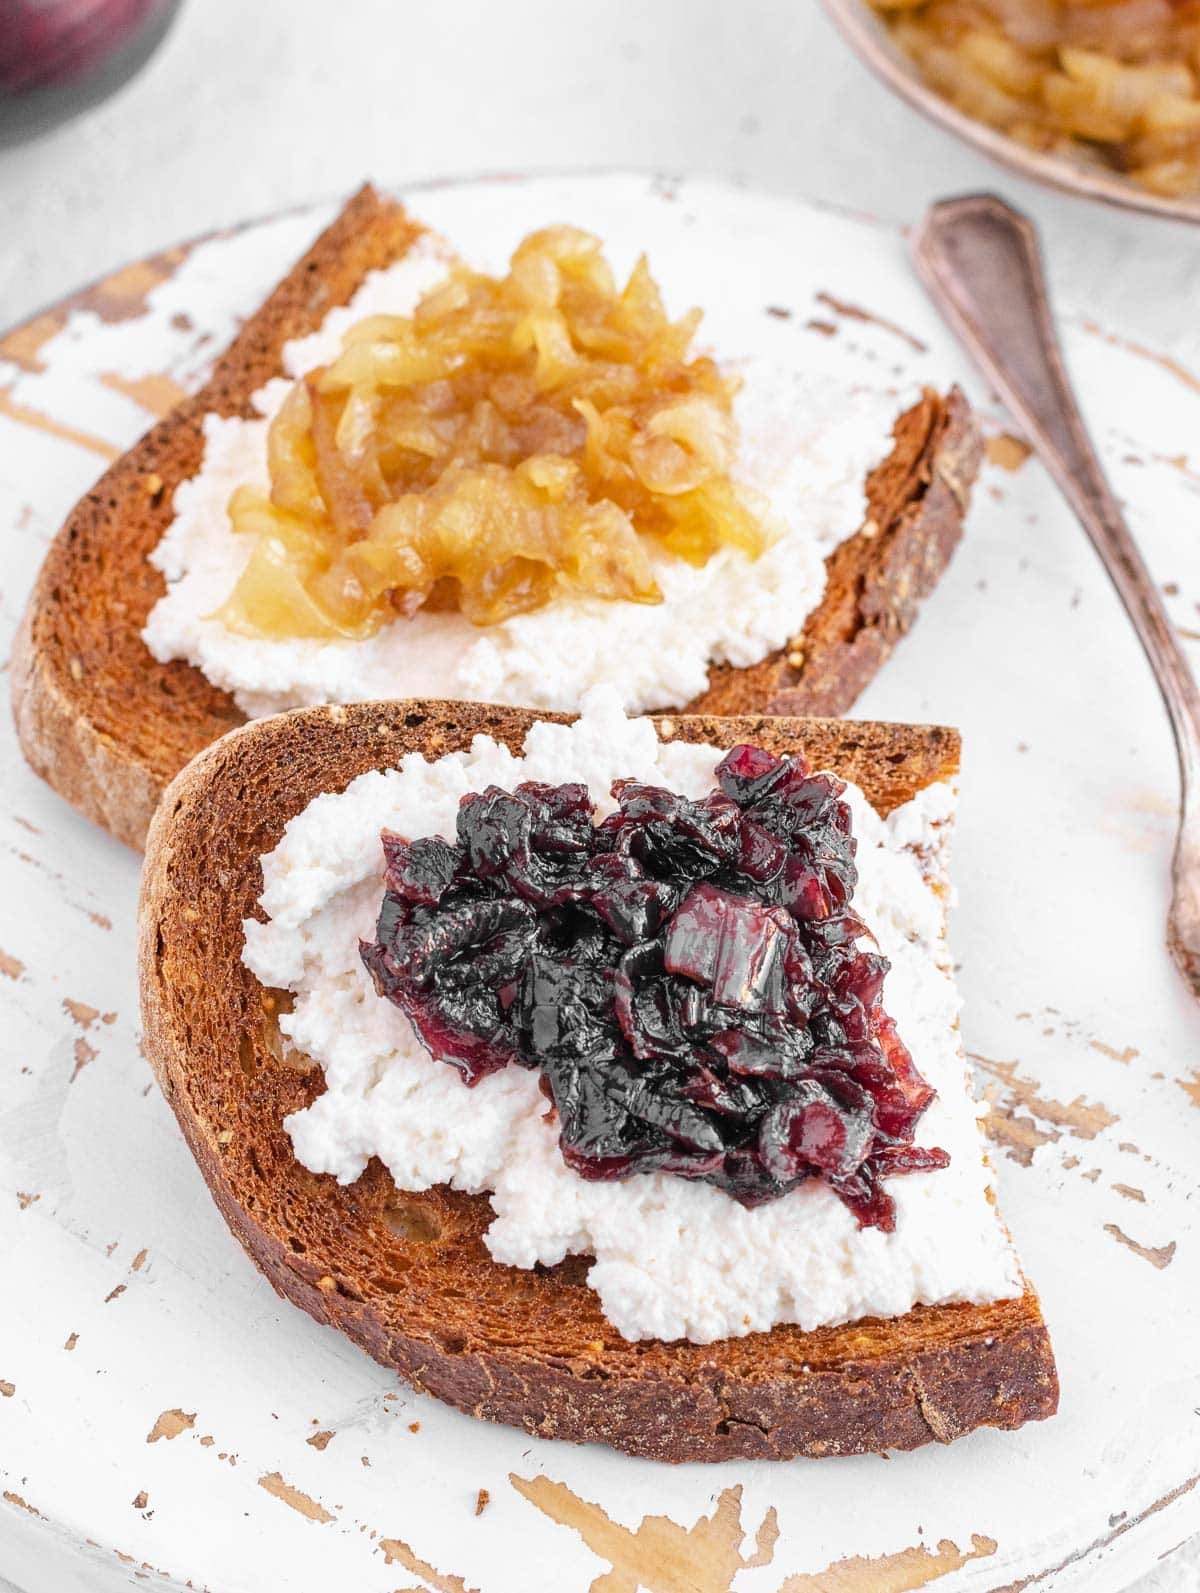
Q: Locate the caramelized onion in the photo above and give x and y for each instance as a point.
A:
(513, 439)
(1118, 80)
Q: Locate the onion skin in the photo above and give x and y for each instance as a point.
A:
(60, 57)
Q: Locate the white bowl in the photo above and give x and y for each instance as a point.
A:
(868, 37)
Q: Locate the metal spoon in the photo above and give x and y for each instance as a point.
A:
(979, 258)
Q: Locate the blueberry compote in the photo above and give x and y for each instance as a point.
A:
(686, 975)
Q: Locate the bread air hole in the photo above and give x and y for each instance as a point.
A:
(387, 1284)
(519, 1285)
(571, 1270)
(247, 1056)
(412, 1221)
(275, 1002)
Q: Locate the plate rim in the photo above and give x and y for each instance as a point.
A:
(77, 297)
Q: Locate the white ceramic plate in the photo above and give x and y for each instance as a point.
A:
(164, 1416)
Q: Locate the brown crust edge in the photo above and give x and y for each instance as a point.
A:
(406, 1277)
(876, 579)
(97, 716)
(108, 727)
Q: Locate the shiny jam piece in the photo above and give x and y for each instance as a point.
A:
(514, 439)
(686, 976)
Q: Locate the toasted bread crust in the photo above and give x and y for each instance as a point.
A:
(108, 727)
(877, 579)
(97, 717)
(407, 1276)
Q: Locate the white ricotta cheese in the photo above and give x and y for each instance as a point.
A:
(673, 1258)
(808, 441)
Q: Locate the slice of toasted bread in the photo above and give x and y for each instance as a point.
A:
(407, 1276)
(107, 726)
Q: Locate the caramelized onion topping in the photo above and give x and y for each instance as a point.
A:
(514, 439)
(1112, 82)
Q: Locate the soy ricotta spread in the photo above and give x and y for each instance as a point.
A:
(673, 1258)
(808, 441)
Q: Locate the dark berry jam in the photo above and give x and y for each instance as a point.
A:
(686, 976)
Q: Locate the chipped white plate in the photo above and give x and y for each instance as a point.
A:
(164, 1417)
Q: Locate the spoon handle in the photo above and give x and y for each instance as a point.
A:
(979, 258)
(980, 261)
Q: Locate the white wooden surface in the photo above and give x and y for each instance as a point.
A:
(130, 1312)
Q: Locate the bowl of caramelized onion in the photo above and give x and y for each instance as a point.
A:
(1100, 97)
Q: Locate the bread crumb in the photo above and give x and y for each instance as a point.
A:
(795, 659)
(1007, 451)
(319, 1440)
(72, 1341)
(414, 1427)
(141, 1500)
(7, 1389)
(482, 1500)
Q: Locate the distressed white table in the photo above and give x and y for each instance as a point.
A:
(163, 1417)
